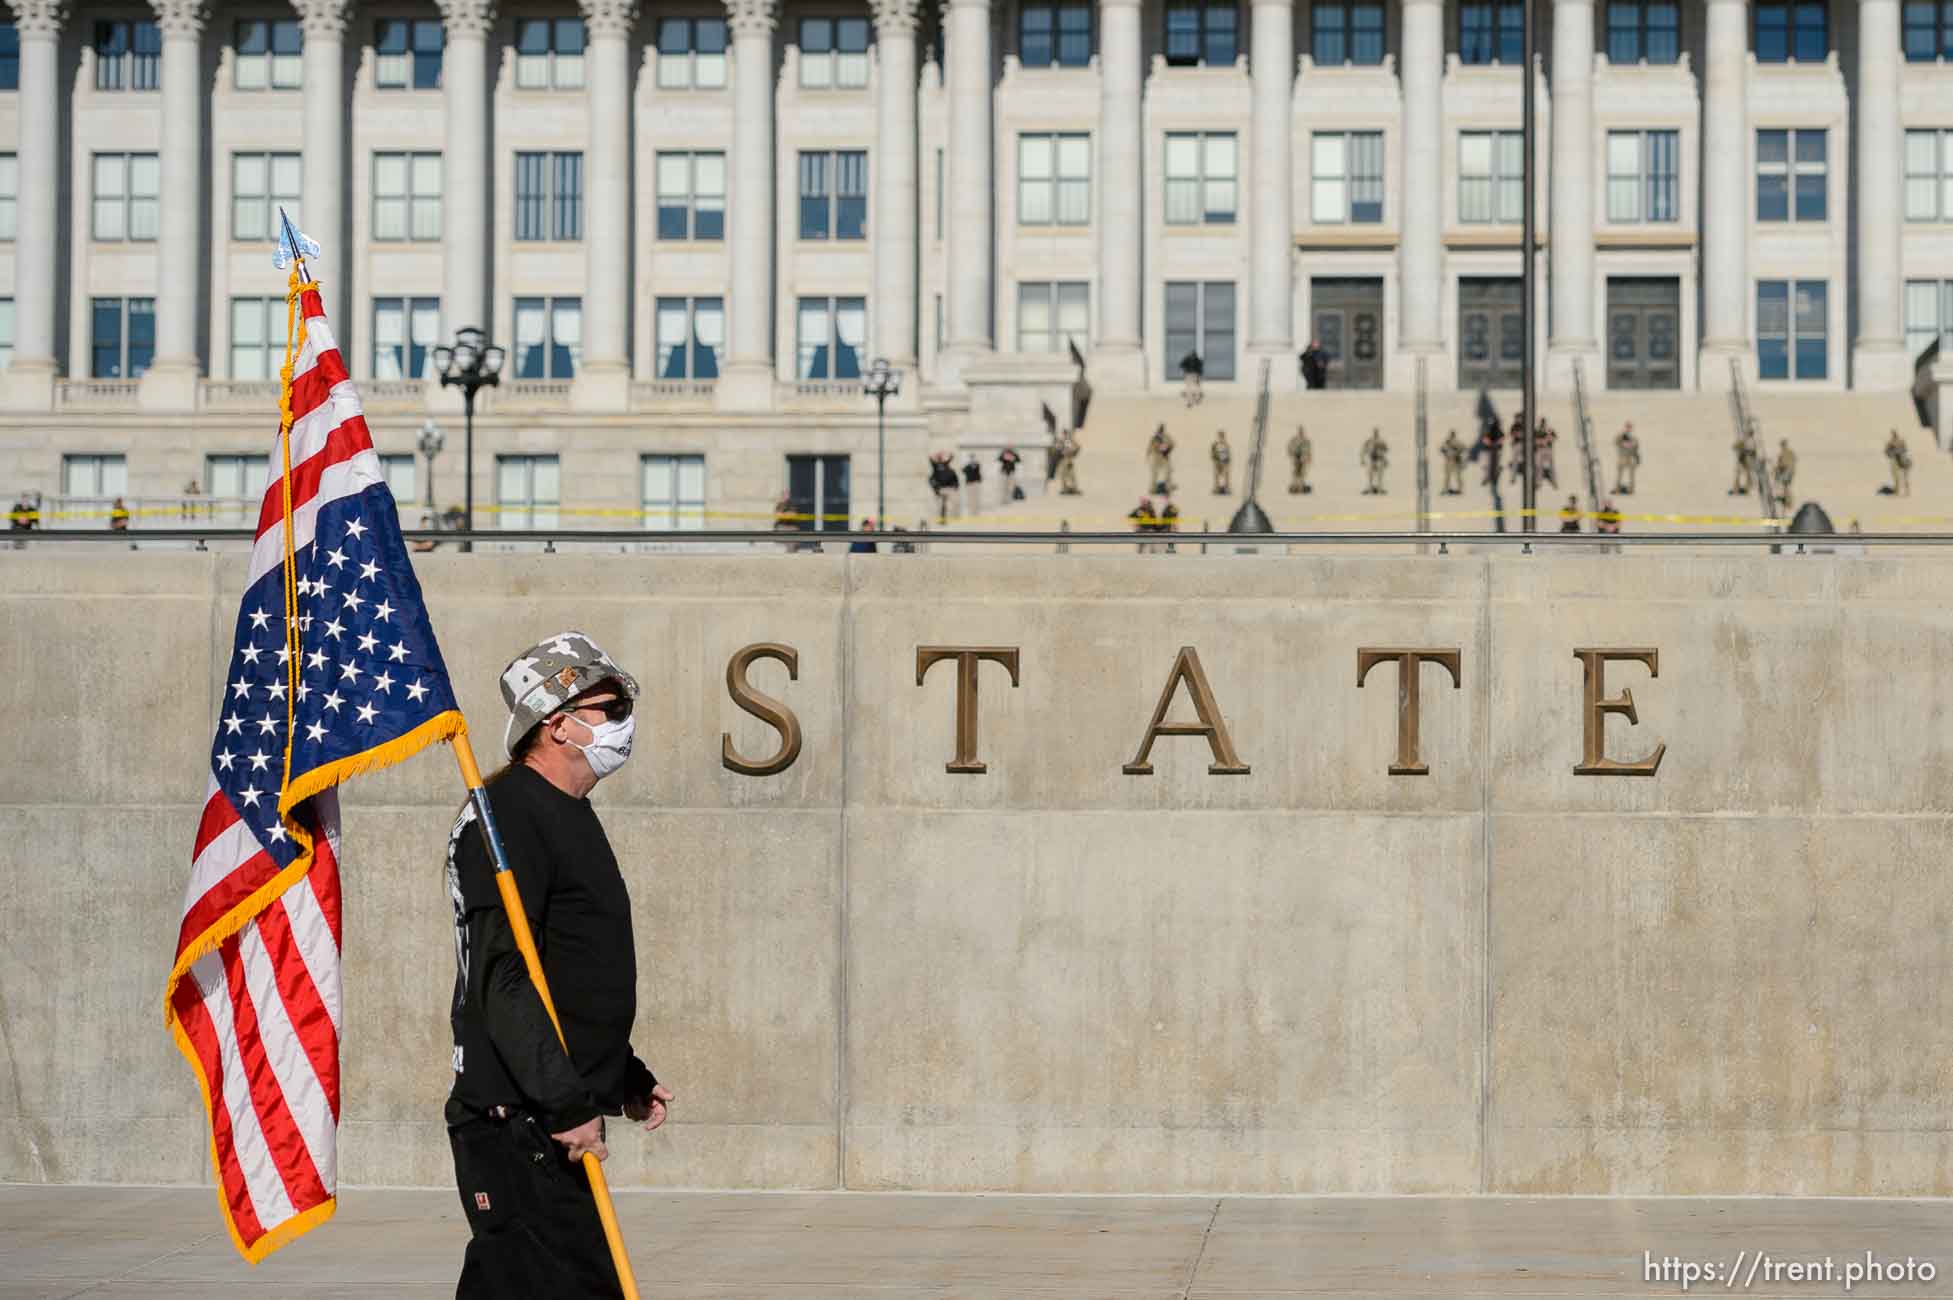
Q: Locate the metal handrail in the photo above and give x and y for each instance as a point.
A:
(1584, 422)
(1766, 494)
(1422, 428)
(768, 536)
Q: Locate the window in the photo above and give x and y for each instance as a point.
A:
(1929, 315)
(691, 332)
(1792, 31)
(407, 54)
(128, 56)
(817, 492)
(258, 333)
(1055, 33)
(1787, 163)
(9, 57)
(398, 470)
(236, 478)
(834, 195)
(1929, 176)
(9, 193)
(269, 55)
(1791, 323)
(405, 332)
(1200, 320)
(1202, 34)
(549, 54)
(548, 337)
(1347, 177)
(94, 476)
(1490, 187)
(1050, 313)
(1491, 31)
(1054, 180)
(1200, 175)
(831, 332)
(691, 196)
(548, 196)
(122, 338)
(528, 491)
(260, 184)
(125, 205)
(674, 492)
(1644, 31)
(406, 196)
(833, 53)
(691, 54)
(1928, 28)
(6, 332)
(1642, 169)
(1345, 33)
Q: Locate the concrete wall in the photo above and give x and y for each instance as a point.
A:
(1729, 977)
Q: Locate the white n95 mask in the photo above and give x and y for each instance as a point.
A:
(610, 745)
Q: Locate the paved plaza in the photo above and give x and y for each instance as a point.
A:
(165, 1243)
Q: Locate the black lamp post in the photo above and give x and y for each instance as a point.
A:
(881, 383)
(471, 365)
(431, 442)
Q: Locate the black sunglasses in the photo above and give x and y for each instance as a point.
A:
(616, 709)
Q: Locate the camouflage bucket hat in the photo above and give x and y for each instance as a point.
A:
(546, 676)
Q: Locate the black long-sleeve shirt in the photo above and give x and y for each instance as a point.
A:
(505, 1050)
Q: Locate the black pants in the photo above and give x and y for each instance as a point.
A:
(536, 1231)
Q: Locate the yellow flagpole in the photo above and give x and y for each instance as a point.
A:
(525, 942)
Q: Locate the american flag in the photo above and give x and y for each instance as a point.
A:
(352, 679)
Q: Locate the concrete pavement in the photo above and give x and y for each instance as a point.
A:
(165, 1243)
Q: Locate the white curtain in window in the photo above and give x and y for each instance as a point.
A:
(389, 338)
(851, 331)
(528, 338)
(145, 183)
(427, 195)
(1922, 175)
(1329, 202)
(6, 332)
(813, 343)
(1220, 165)
(566, 325)
(426, 333)
(673, 334)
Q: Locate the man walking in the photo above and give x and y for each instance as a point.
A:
(523, 1110)
(1315, 365)
(1223, 460)
(1627, 459)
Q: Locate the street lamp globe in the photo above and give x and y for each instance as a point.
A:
(431, 439)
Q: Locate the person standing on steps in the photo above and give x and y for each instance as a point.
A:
(1315, 365)
(1159, 460)
(1223, 461)
(1627, 459)
(1453, 451)
(1899, 457)
(1191, 370)
(1300, 453)
(1375, 459)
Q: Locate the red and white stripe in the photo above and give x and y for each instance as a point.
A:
(255, 993)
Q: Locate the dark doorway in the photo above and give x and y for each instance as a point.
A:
(1491, 332)
(1644, 322)
(1347, 318)
(817, 492)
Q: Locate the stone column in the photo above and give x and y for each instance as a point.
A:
(603, 379)
(1271, 295)
(1571, 268)
(1118, 355)
(969, 192)
(30, 380)
(467, 216)
(1421, 257)
(746, 380)
(1879, 360)
(322, 199)
(1726, 188)
(894, 163)
(171, 384)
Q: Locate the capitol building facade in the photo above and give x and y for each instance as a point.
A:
(693, 225)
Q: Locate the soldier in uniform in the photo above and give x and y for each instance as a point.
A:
(1627, 459)
(1300, 453)
(1143, 523)
(1159, 460)
(1745, 450)
(1453, 452)
(1570, 515)
(1786, 469)
(1223, 460)
(1375, 459)
(1067, 464)
(1900, 460)
(1543, 440)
